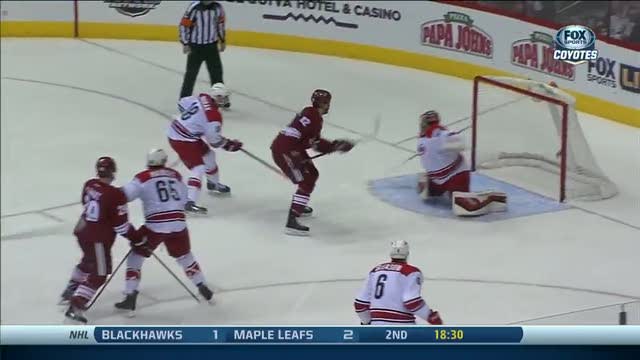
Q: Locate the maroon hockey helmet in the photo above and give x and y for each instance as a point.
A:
(320, 96)
(105, 167)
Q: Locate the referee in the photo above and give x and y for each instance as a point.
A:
(202, 33)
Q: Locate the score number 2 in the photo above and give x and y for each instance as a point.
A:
(347, 335)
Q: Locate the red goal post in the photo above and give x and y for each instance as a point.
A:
(525, 123)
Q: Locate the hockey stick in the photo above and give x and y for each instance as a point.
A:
(363, 139)
(175, 277)
(467, 118)
(95, 298)
(271, 167)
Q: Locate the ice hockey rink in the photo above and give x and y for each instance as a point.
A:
(67, 102)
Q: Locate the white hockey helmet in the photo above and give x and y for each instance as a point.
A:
(399, 250)
(220, 94)
(156, 157)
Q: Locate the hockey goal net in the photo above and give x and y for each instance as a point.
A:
(529, 131)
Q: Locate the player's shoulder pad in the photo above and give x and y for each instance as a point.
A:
(433, 131)
(210, 108)
(408, 269)
(311, 113)
(207, 102)
(90, 182)
(175, 172)
(118, 195)
(143, 176)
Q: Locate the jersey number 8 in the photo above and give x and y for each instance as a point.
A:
(165, 191)
(190, 112)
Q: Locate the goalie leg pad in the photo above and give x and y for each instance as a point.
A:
(476, 204)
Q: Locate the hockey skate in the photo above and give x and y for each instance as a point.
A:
(307, 211)
(75, 316)
(294, 227)
(68, 292)
(219, 188)
(128, 304)
(206, 293)
(191, 208)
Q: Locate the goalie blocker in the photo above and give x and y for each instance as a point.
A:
(447, 171)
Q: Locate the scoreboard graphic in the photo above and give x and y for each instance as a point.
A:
(416, 335)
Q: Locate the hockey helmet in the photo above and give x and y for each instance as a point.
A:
(156, 157)
(399, 250)
(320, 97)
(105, 167)
(220, 94)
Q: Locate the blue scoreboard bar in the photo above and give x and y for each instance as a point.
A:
(212, 335)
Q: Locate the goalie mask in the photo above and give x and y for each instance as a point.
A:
(220, 94)
(428, 118)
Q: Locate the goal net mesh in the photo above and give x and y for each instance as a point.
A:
(519, 130)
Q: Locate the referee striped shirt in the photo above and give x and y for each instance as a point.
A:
(202, 24)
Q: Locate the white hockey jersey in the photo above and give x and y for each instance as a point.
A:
(199, 117)
(440, 154)
(163, 196)
(392, 295)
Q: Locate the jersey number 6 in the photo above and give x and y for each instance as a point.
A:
(380, 286)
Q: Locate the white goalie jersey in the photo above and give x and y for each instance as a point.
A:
(441, 154)
(392, 295)
(163, 196)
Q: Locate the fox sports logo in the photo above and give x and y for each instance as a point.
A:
(575, 44)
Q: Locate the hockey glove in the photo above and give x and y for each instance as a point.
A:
(434, 318)
(342, 146)
(232, 145)
(323, 146)
(141, 246)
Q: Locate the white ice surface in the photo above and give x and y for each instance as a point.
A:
(478, 273)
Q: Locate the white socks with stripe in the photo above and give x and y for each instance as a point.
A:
(299, 202)
(194, 183)
(134, 273)
(191, 268)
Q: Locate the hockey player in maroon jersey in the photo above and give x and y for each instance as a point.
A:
(105, 215)
(289, 151)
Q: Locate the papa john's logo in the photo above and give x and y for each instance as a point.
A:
(132, 8)
(456, 32)
(536, 53)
